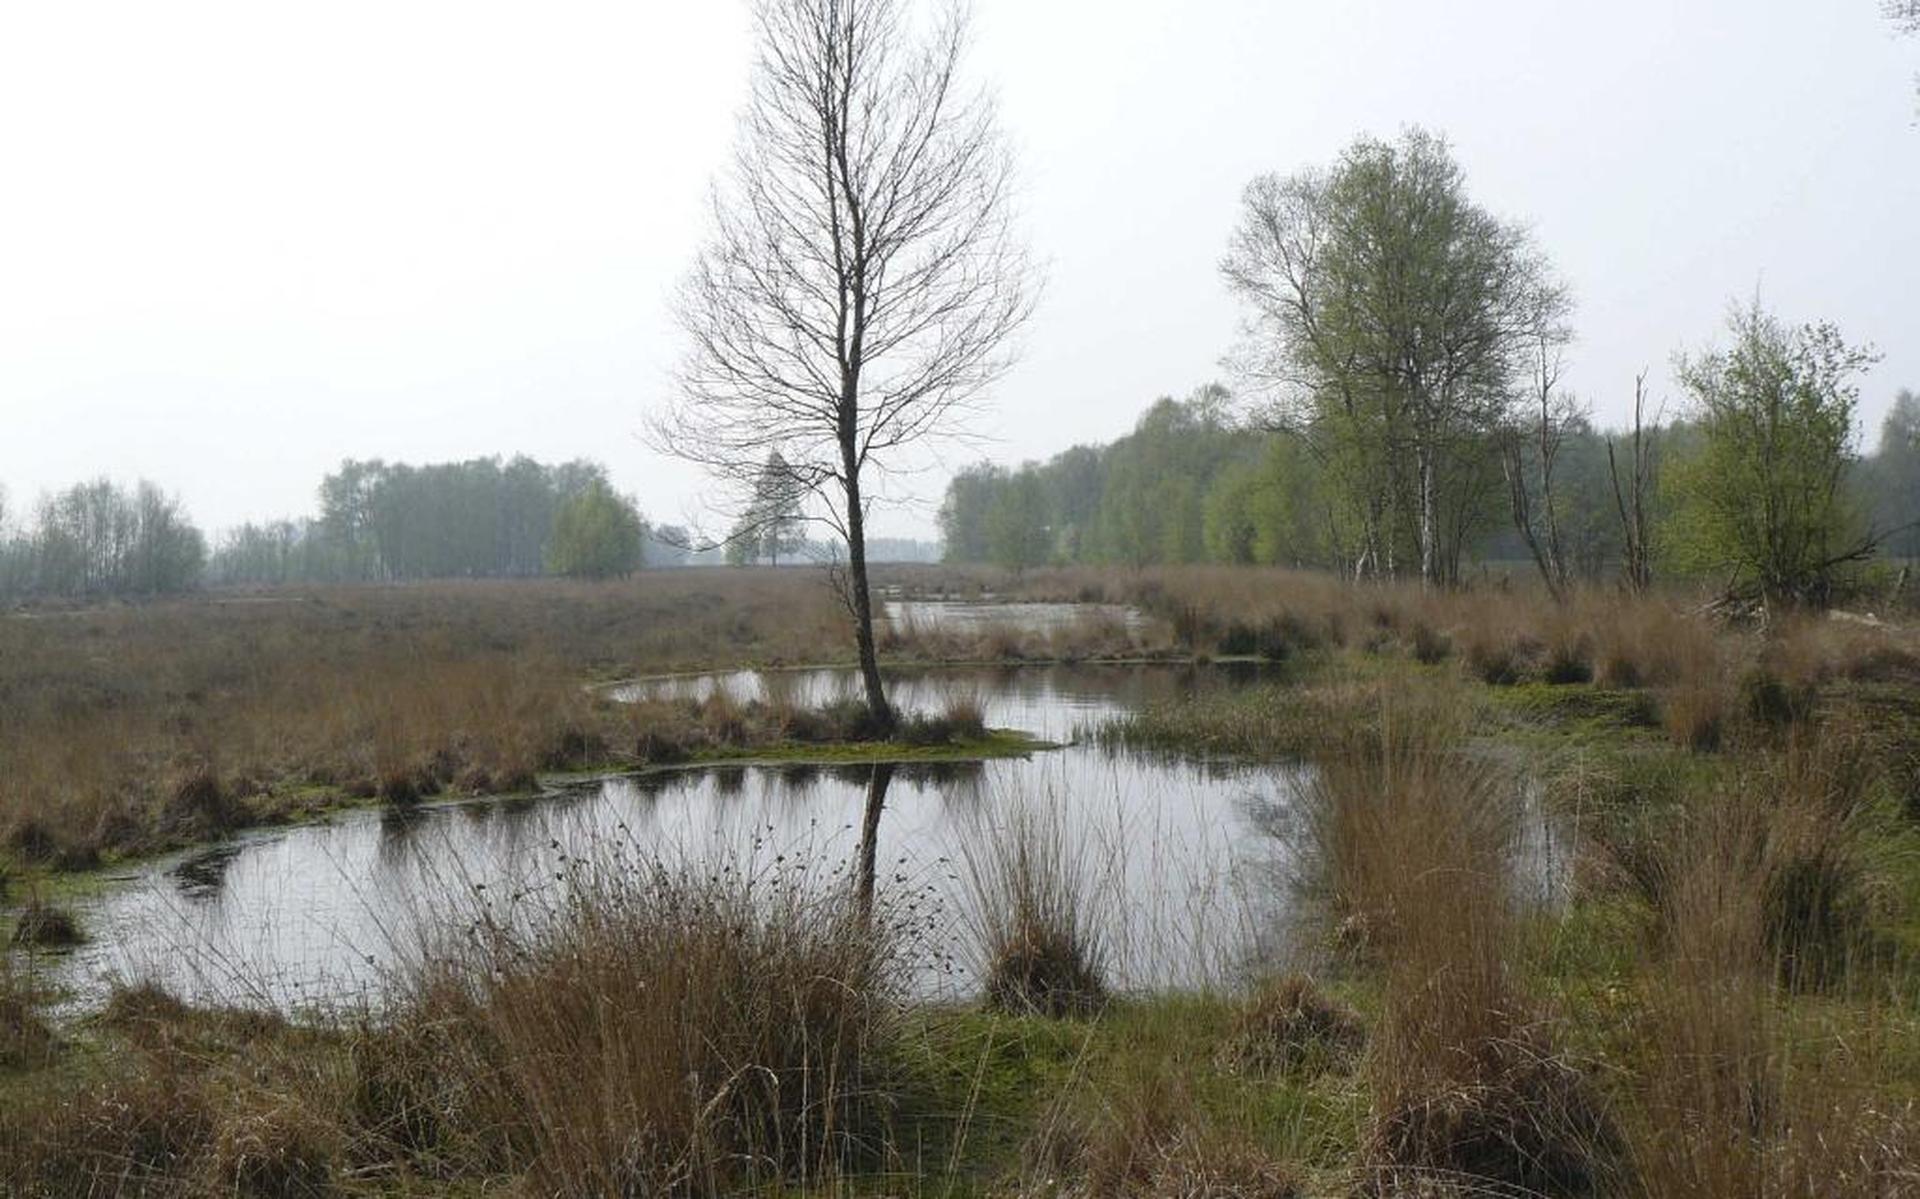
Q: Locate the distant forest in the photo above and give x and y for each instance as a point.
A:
(377, 522)
(1196, 482)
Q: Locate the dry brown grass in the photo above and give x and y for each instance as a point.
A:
(1147, 1140)
(1288, 1025)
(1738, 1096)
(132, 727)
(1415, 844)
(26, 1040)
(1031, 914)
(136, 727)
(669, 1029)
(43, 925)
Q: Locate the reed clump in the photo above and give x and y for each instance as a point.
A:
(1290, 1026)
(1736, 1097)
(1032, 917)
(44, 925)
(1412, 864)
(668, 1029)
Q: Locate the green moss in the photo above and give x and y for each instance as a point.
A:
(1580, 710)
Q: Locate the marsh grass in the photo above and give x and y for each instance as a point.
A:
(1412, 865)
(44, 924)
(26, 1040)
(1288, 1025)
(1738, 1094)
(1147, 1138)
(1032, 914)
(1727, 1007)
(670, 1026)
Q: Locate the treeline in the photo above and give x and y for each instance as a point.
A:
(482, 518)
(1402, 357)
(1195, 482)
(377, 521)
(100, 539)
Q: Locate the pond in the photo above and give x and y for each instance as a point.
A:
(1180, 854)
(966, 616)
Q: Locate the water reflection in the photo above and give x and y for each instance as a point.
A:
(320, 913)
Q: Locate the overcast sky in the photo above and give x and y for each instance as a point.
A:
(239, 242)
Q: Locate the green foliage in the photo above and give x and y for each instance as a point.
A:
(596, 535)
(482, 518)
(1399, 317)
(1018, 526)
(1892, 479)
(1765, 493)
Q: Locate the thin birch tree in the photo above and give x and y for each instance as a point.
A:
(862, 277)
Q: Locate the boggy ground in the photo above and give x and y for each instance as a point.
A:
(1726, 1001)
(134, 728)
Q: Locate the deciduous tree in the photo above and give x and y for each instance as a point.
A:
(1765, 494)
(861, 280)
(1391, 321)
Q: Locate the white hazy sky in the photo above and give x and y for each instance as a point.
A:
(239, 242)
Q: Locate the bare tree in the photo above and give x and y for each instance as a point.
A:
(1630, 500)
(862, 277)
(1550, 414)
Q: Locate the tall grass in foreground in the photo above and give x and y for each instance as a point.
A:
(1763, 892)
(671, 1028)
(1412, 849)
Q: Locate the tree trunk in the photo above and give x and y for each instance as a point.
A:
(1429, 521)
(877, 783)
(861, 601)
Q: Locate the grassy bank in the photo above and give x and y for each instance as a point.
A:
(132, 729)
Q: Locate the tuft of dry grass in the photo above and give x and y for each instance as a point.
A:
(1735, 1097)
(1289, 1026)
(25, 1039)
(1695, 716)
(1412, 851)
(1033, 931)
(43, 925)
(1146, 1141)
(668, 1029)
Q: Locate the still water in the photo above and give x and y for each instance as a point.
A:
(1179, 853)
